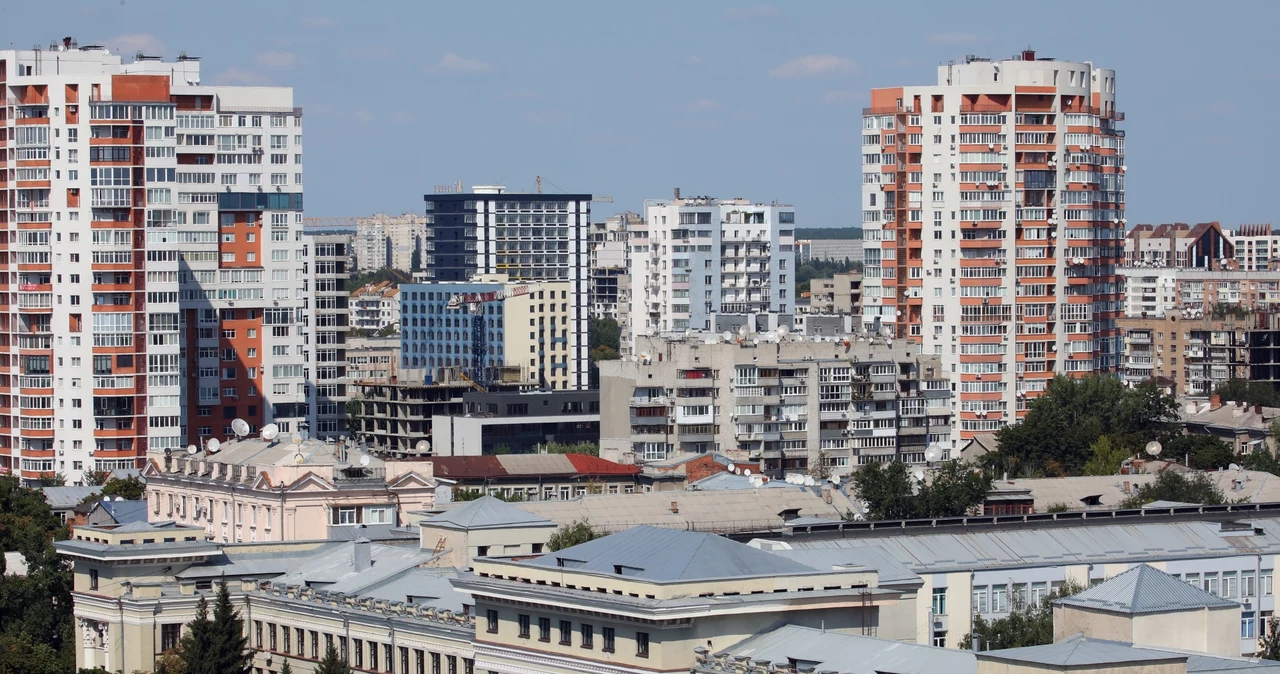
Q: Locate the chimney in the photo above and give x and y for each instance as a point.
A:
(1027, 55)
(1126, 487)
(675, 508)
(1257, 409)
(360, 555)
(66, 43)
(1215, 401)
(826, 495)
(677, 192)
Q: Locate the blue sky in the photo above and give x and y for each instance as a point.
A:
(724, 99)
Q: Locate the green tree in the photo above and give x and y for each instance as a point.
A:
(462, 495)
(574, 533)
(1057, 508)
(55, 480)
(331, 663)
(603, 332)
(1107, 457)
(1204, 452)
(891, 491)
(96, 478)
(589, 448)
(1262, 458)
(196, 646)
(131, 488)
(1251, 392)
(388, 330)
(1055, 437)
(285, 667)
(1269, 640)
(228, 642)
(395, 276)
(1179, 487)
(1029, 624)
(415, 261)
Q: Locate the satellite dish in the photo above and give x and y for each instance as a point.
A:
(270, 431)
(933, 454)
(918, 475)
(240, 427)
(1235, 467)
(808, 481)
(364, 459)
(213, 445)
(1154, 448)
(742, 331)
(168, 452)
(783, 331)
(297, 458)
(297, 439)
(192, 449)
(746, 471)
(755, 341)
(726, 335)
(422, 446)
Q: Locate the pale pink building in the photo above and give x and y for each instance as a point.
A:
(255, 490)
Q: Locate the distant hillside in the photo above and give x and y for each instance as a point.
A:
(829, 233)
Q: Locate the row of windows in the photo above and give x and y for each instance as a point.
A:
(361, 654)
(564, 633)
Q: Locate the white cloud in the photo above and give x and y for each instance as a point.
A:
(843, 97)
(242, 77)
(278, 59)
(815, 65)
(952, 38)
(130, 44)
(703, 105)
(319, 22)
(452, 64)
(756, 12)
(363, 115)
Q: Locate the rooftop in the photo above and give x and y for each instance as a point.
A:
(666, 555)
(1082, 652)
(336, 570)
(486, 512)
(792, 645)
(1108, 491)
(508, 465)
(1144, 590)
(62, 498)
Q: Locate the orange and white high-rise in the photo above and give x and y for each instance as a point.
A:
(153, 272)
(993, 216)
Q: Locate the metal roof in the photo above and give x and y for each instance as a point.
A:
(1030, 546)
(125, 512)
(1250, 486)
(509, 465)
(61, 498)
(334, 569)
(725, 481)
(1080, 651)
(486, 512)
(836, 651)
(890, 570)
(1144, 589)
(659, 554)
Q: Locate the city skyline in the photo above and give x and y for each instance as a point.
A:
(766, 98)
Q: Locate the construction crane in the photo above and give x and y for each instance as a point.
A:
(475, 303)
(602, 199)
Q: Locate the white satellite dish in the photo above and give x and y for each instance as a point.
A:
(808, 481)
(193, 450)
(270, 431)
(1154, 448)
(933, 454)
(240, 427)
(726, 335)
(746, 471)
(297, 439)
(213, 445)
(783, 331)
(918, 475)
(297, 458)
(422, 446)
(364, 459)
(742, 331)
(1235, 467)
(733, 469)
(755, 341)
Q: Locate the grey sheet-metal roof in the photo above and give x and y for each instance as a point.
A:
(62, 498)
(1200, 663)
(890, 570)
(334, 570)
(486, 512)
(428, 587)
(1080, 651)
(726, 481)
(1052, 546)
(373, 532)
(126, 512)
(660, 554)
(1142, 590)
(836, 651)
(247, 562)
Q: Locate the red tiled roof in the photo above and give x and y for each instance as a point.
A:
(594, 465)
(462, 467)
(487, 467)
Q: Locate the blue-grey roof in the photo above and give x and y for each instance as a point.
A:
(428, 587)
(1080, 651)
(660, 554)
(334, 570)
(486, 512)
(373, 532)
(726, 481)
(890, 570)
(836, 651)
(1032, 546)
(62, 498)
(1142, 590)
(125, 512)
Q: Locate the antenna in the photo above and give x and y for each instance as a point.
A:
(746, 471)
(213, 445)
(933, 453)
(1235, 467)
(1154, 448)
(297, 438)
(298, 458)
(422, 446)
(270, 431)
(193, 450)
(240, 427)
(364, 460)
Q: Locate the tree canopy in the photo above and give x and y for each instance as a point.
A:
(1061, 426)
(131, 488)
(37, 633)
(1252, 392)
(1107, 457)
(1179, 487)
(331, 663)
(1202, 452)
(1029, 624)
(891, 492)
(574, 533)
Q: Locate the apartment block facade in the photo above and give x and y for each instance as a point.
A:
(789, 405)
(531, 238)
(993, 219)
(1155, 291)
(1193, 353)
(610, 266)
(140, 205)
(391, 241)
(708, 265)
(1257, 247)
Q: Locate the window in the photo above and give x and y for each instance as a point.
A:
(642, 644)
(999, 598)
(544, 629)
(980, 599)
(93, 579)
(588, 636)
(492, 616)
(170, 635)
(315, 645)
(1248, 627)
(1265, 582)
(606, 635)
(1248, 584)
(939, 601)
(940, 639)
(523, 620)
(566, 633)
(1229, 587)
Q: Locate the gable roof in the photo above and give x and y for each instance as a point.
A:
(1080, 651)
(508, 465)
(659, 554)
(486, 512)
(61, 498)
(788, 645)
(125, 512)
(1143, 590)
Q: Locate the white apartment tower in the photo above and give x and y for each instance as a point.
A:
(710, 265)
(993, 215)
(155, 260)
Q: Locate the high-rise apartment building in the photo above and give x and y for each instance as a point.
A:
(1257, 247)
(392, 241)
(711, 265)
(610, 264)
(159, 276)
(332, 320)
(527, 237)
(993, 211)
